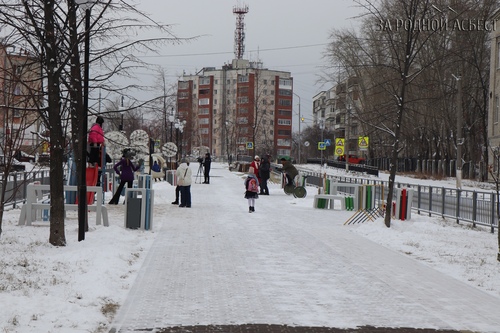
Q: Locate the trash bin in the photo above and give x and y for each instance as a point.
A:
(133, 218)
(139, 206)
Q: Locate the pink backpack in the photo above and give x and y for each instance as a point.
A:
(252, 185)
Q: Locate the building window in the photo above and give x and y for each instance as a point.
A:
(285, 83)
(284, 152)
(284, 142)
(243, 100)
(242, 120)
(285, 113)
(204, 81)
(183, 85)
(242, 110)
(17, 89)
(204, 130)
(215, 111)
(285, 122)
(285, 92)
(204, 101)
(265, 81)
(203, 111)
(243, 91)
(183, 95)
(216, 81)
(285, 102)
(203, 121)
(284, 132)
(242, 78)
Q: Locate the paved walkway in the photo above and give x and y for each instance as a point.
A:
(217, 264)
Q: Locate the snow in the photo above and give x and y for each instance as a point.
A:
(80, 287)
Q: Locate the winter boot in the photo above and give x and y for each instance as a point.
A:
(250, 209)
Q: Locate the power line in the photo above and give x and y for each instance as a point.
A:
(231, 52)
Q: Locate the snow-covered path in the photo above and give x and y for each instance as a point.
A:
(286, 264)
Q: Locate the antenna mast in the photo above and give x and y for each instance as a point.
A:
(239, 34)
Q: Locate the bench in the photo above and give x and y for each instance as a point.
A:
(330, 201)
(32, 205)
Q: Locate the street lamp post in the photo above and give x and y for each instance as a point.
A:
(322, 127)
(460, 140)
(300, 141)
(227, 143)
(171, 120)
(82, 194)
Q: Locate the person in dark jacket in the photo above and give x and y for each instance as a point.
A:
(125, 168)
(289, 170)
(207, 161)
(264, 175)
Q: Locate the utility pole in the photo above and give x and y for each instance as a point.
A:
(300, 140)
(460, 139)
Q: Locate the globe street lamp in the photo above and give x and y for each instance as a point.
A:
(85, 5)
(171, 119)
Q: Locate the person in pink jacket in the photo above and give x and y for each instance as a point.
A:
(96, 141)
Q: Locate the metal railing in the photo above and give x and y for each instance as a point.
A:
(16, 184)
(476, 207)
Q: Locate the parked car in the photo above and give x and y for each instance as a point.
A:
(21, 156)
(353, 159)
(15, 165)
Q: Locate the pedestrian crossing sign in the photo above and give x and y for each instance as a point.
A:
(363, 142)
(328, 142)
(249, 145)
(321, 146)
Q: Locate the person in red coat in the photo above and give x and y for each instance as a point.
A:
(254, 167)
(96, 141)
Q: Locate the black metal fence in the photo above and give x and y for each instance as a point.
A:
(16, 185)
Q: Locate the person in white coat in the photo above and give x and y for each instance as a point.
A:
(184, 177)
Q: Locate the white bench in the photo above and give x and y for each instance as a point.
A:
(330, 200)
(29, 209)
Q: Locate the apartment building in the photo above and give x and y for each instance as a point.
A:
(21, 85)
(338, 108)
(239, 109)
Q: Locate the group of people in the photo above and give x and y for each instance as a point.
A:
(255, 183)
(259, 173)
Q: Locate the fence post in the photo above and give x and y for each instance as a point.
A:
(443, 199)
(493, 211)
(474, 208)
(419, 198)
(457, 212)
(430, 200)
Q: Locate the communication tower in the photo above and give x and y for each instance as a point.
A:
(239, 34)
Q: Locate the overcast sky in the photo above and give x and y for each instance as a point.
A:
(287, 35)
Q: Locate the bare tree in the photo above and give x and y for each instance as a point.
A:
(52, 33)
(387, 58)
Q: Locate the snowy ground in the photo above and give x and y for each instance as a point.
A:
(79, 288)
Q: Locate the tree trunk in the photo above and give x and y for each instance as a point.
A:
(57, 144)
